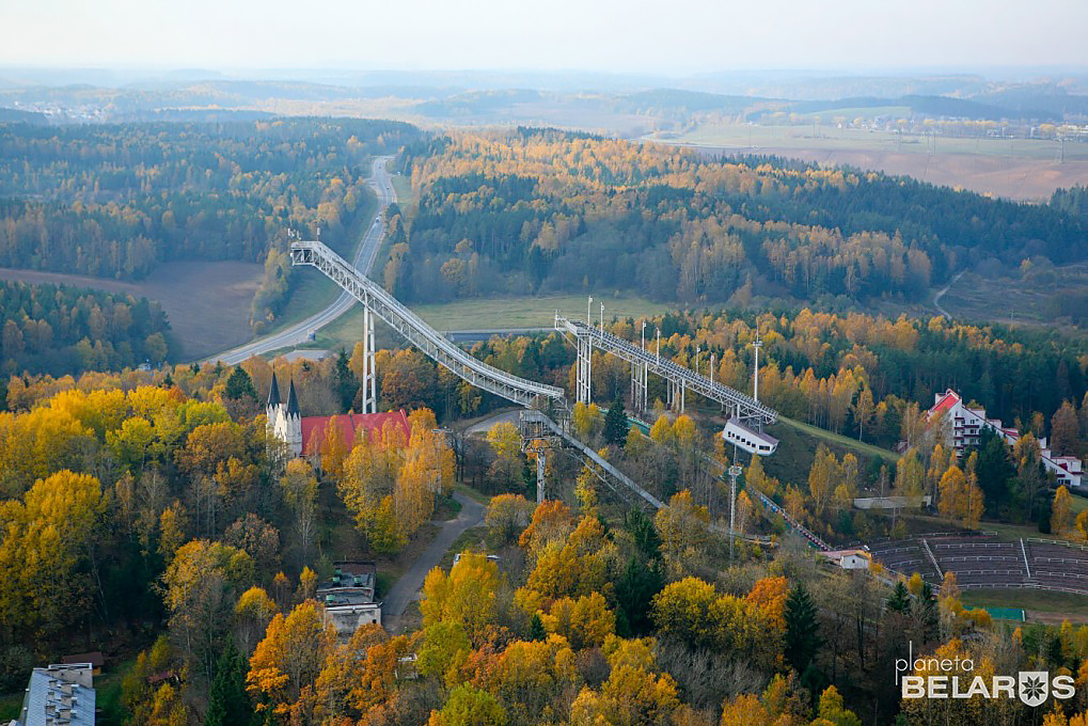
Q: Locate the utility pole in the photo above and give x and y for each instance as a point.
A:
(734, 472)
(659, 345)
(602, 316)
(589, 311)
(644, 335)
(697, 351)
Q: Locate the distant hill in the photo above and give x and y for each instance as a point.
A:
(14, 115)
(193, 115)
(477, 103)
(680, 100)
(931, 106)
(1053, 100)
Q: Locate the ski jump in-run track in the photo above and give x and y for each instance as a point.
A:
(545, 404)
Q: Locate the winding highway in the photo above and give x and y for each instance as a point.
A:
(365, 256)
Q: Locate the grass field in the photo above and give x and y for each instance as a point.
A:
(1026, 169)
(829, 138)
(1034, 601)
(492, 314)
(1024, 301)
(207, 303)
(402, 185)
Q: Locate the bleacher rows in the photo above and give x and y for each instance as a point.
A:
(983, 561)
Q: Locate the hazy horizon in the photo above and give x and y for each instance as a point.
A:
(488, 36)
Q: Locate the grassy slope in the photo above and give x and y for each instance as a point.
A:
(797, 444)
(496, 313)
(405, 196)
(838, 440)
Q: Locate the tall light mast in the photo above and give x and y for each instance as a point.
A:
(757, 344)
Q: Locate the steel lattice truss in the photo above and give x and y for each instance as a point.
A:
(745, 407)
(421, 335)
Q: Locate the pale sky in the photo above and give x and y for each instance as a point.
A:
(668, 36)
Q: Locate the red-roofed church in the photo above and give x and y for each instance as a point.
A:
(303, 434)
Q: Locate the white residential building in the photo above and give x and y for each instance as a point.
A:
(964, 426)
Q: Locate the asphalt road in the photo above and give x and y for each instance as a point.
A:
(364, 260)
(484, 426)
(410, 583)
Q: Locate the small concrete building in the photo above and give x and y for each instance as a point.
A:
(849, 559)
(349, 598)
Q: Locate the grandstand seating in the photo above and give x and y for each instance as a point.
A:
(984, 561)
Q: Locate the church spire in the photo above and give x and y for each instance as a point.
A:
(274, 393)
(292, 402)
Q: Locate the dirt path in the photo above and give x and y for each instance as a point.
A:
(939, 295)
(408, 586)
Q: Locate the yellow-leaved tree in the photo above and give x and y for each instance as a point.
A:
(390, 484)
(289, 659)
(1061, 513)
(48, 551)
(466, 596)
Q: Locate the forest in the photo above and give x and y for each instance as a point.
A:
(191, 548)
(60, 329)
(117, 200)
(544, 210)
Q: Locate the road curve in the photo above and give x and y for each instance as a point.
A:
(408, 586)
(364, 260)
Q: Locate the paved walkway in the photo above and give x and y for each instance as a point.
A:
(408, 586)
(484, 426)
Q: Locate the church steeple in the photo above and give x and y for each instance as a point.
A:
(292, 402)
(273, 393)
(285, 419)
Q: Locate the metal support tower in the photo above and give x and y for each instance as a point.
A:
(585, 370)
(541, 469)
(677, 391)
(639, 376)
(370, 398)
(734, 472)
(757, 344)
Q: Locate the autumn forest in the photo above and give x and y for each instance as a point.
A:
(149, 511)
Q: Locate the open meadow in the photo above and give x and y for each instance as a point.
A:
(1021, 169)
(207, 303)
